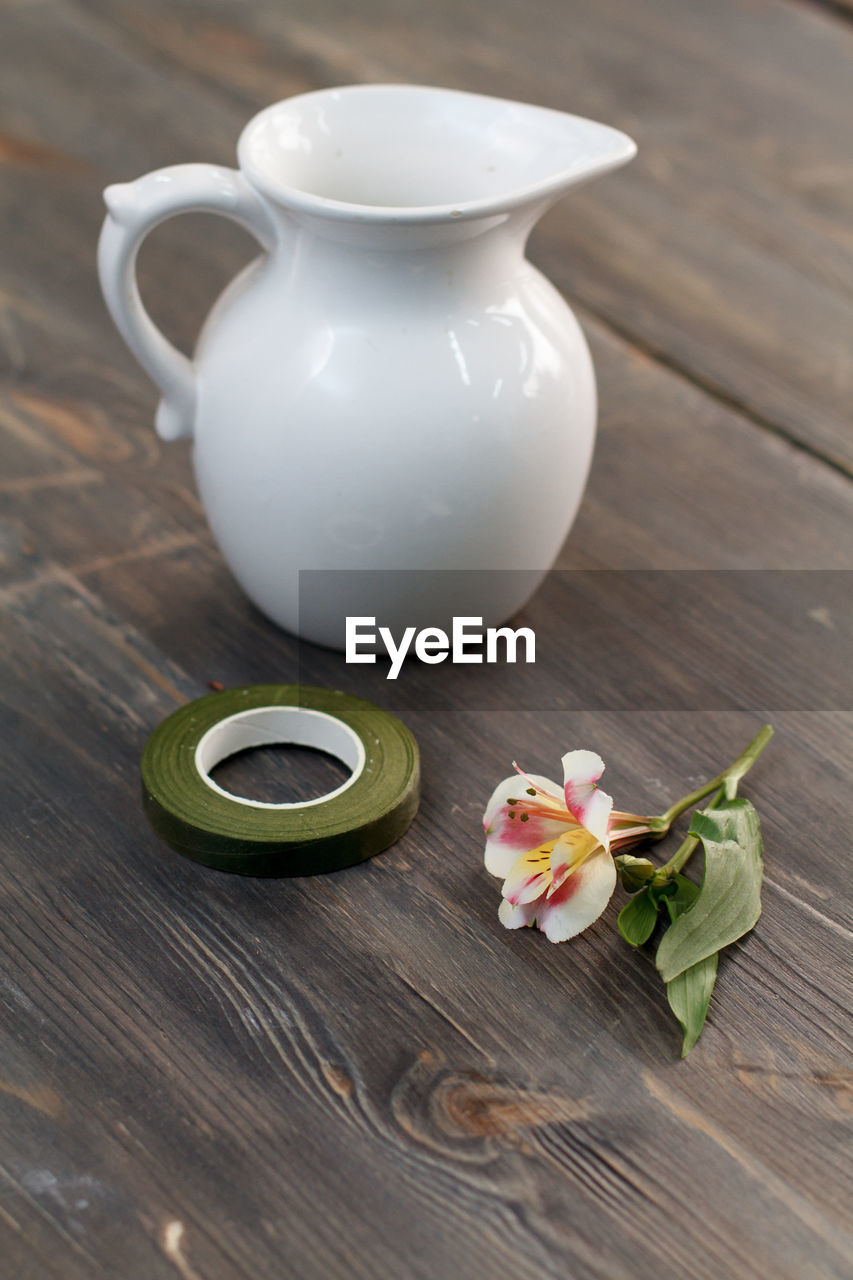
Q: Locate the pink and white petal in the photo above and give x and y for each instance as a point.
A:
(507, 837)
(526, 890)
(516, 917)
(529, 876)
(587, 804)
(572, 847)
(580, 899)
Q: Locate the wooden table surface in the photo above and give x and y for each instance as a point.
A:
(210, 1077)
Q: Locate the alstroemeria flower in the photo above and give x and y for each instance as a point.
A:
(552, 846)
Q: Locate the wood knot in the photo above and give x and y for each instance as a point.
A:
(471, 1106)
(338, 1080)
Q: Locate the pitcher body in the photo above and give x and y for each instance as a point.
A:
(392, 386)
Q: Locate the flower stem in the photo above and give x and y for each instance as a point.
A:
(746, 760)
(727, 780)
(724, 786)
(671, 869)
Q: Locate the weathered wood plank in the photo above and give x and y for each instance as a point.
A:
(212, 635)
(661, 447)
(226, 1019)
(364, 1074)
(839, 8)
(723, 248)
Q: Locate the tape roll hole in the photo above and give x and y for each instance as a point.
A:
(280, 726)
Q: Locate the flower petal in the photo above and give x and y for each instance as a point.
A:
(579, 900)
(569, 852)
(516, 917)
(587, 804)
(529, 877)
(507, 837)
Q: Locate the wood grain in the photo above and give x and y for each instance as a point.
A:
(750, 292)
(364, 1075)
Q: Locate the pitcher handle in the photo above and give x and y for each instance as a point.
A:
(134, 209)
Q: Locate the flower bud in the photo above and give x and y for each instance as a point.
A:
(634, 872)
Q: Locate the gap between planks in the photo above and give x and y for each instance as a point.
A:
(725, 399)
(833, 10)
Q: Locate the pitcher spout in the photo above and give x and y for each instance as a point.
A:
(557, 151)
(409, 154)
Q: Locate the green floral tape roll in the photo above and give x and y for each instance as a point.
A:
(360, 818)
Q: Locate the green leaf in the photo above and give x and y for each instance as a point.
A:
(729, 900)
(682, 894)
(689, 994)
(637, 918)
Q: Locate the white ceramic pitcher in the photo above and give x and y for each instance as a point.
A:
(391, 385)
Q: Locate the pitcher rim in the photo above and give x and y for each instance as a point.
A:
(301, 200)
